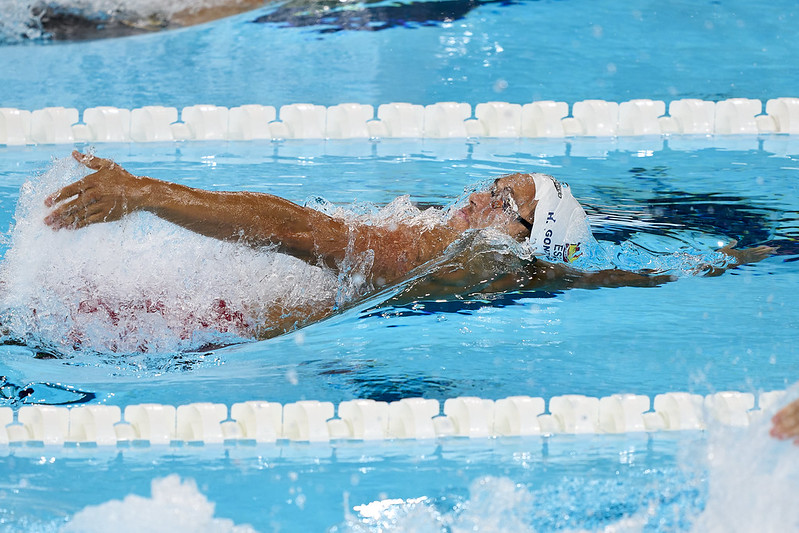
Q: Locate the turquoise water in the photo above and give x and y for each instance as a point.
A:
(697, 334)
(734, 332)
(519, 52)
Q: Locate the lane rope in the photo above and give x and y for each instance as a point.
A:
(542, 119)
(410, 418)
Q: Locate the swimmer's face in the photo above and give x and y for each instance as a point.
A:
(508, 205)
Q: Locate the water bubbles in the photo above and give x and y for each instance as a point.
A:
(299, 500)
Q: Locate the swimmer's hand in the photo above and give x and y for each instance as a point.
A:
(786, 422)
(745, 256)
(106, 195)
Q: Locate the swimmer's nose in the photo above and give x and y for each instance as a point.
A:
(479, 199)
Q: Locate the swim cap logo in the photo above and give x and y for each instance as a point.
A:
(571, 252)
(558, 187)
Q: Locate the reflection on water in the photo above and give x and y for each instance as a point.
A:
(331, 16)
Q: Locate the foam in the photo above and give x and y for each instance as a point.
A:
(175, 505)
(751, 478)
(145, 285)
(141, 284)
(495, 504)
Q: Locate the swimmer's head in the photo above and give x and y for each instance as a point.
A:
(508, 205)
(532, 207)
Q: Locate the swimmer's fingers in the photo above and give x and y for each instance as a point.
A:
(95, 216)
(67, 214)
(748, 255)
(73, 189)
(78, 216)
(92, 161)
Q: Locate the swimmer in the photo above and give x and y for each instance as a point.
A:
(786, 422)
(530, 208)
(64, 21)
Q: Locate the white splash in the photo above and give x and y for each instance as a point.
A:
(175, 505)
(495, 504)
(752, 480)
(142, 284)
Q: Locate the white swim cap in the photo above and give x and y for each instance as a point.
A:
(560, 226)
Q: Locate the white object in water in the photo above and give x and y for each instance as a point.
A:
(261, 421)
(201, 422)
(15, 126)
(152, 123)
(621, 413)
(640, 117)
(693, 116)
(304, 121)
(349, 121)
(518, 415)
(152, 422)
(575, 413)
(784, 112)
(737, 115)
(94, 423)
(729, 407)
(250, 122)
(680, 410)
(412, 418)
(500, 119)
(401, 120)
(206, 122)
(367, 419)
(307, 420)
(53, 125)
(471, 416)
(446, 119)
(6, 418)
(107, 124)
(544, 119)
(598, 118)
(45, 423)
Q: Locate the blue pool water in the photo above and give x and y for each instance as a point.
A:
(516, 52)
(734, 332)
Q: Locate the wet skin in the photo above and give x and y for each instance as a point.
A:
(258, 219)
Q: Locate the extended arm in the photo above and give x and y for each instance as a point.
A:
(111, 192)
(474, 271)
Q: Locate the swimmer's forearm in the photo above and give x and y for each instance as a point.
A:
(255, 218)
(111, 192)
